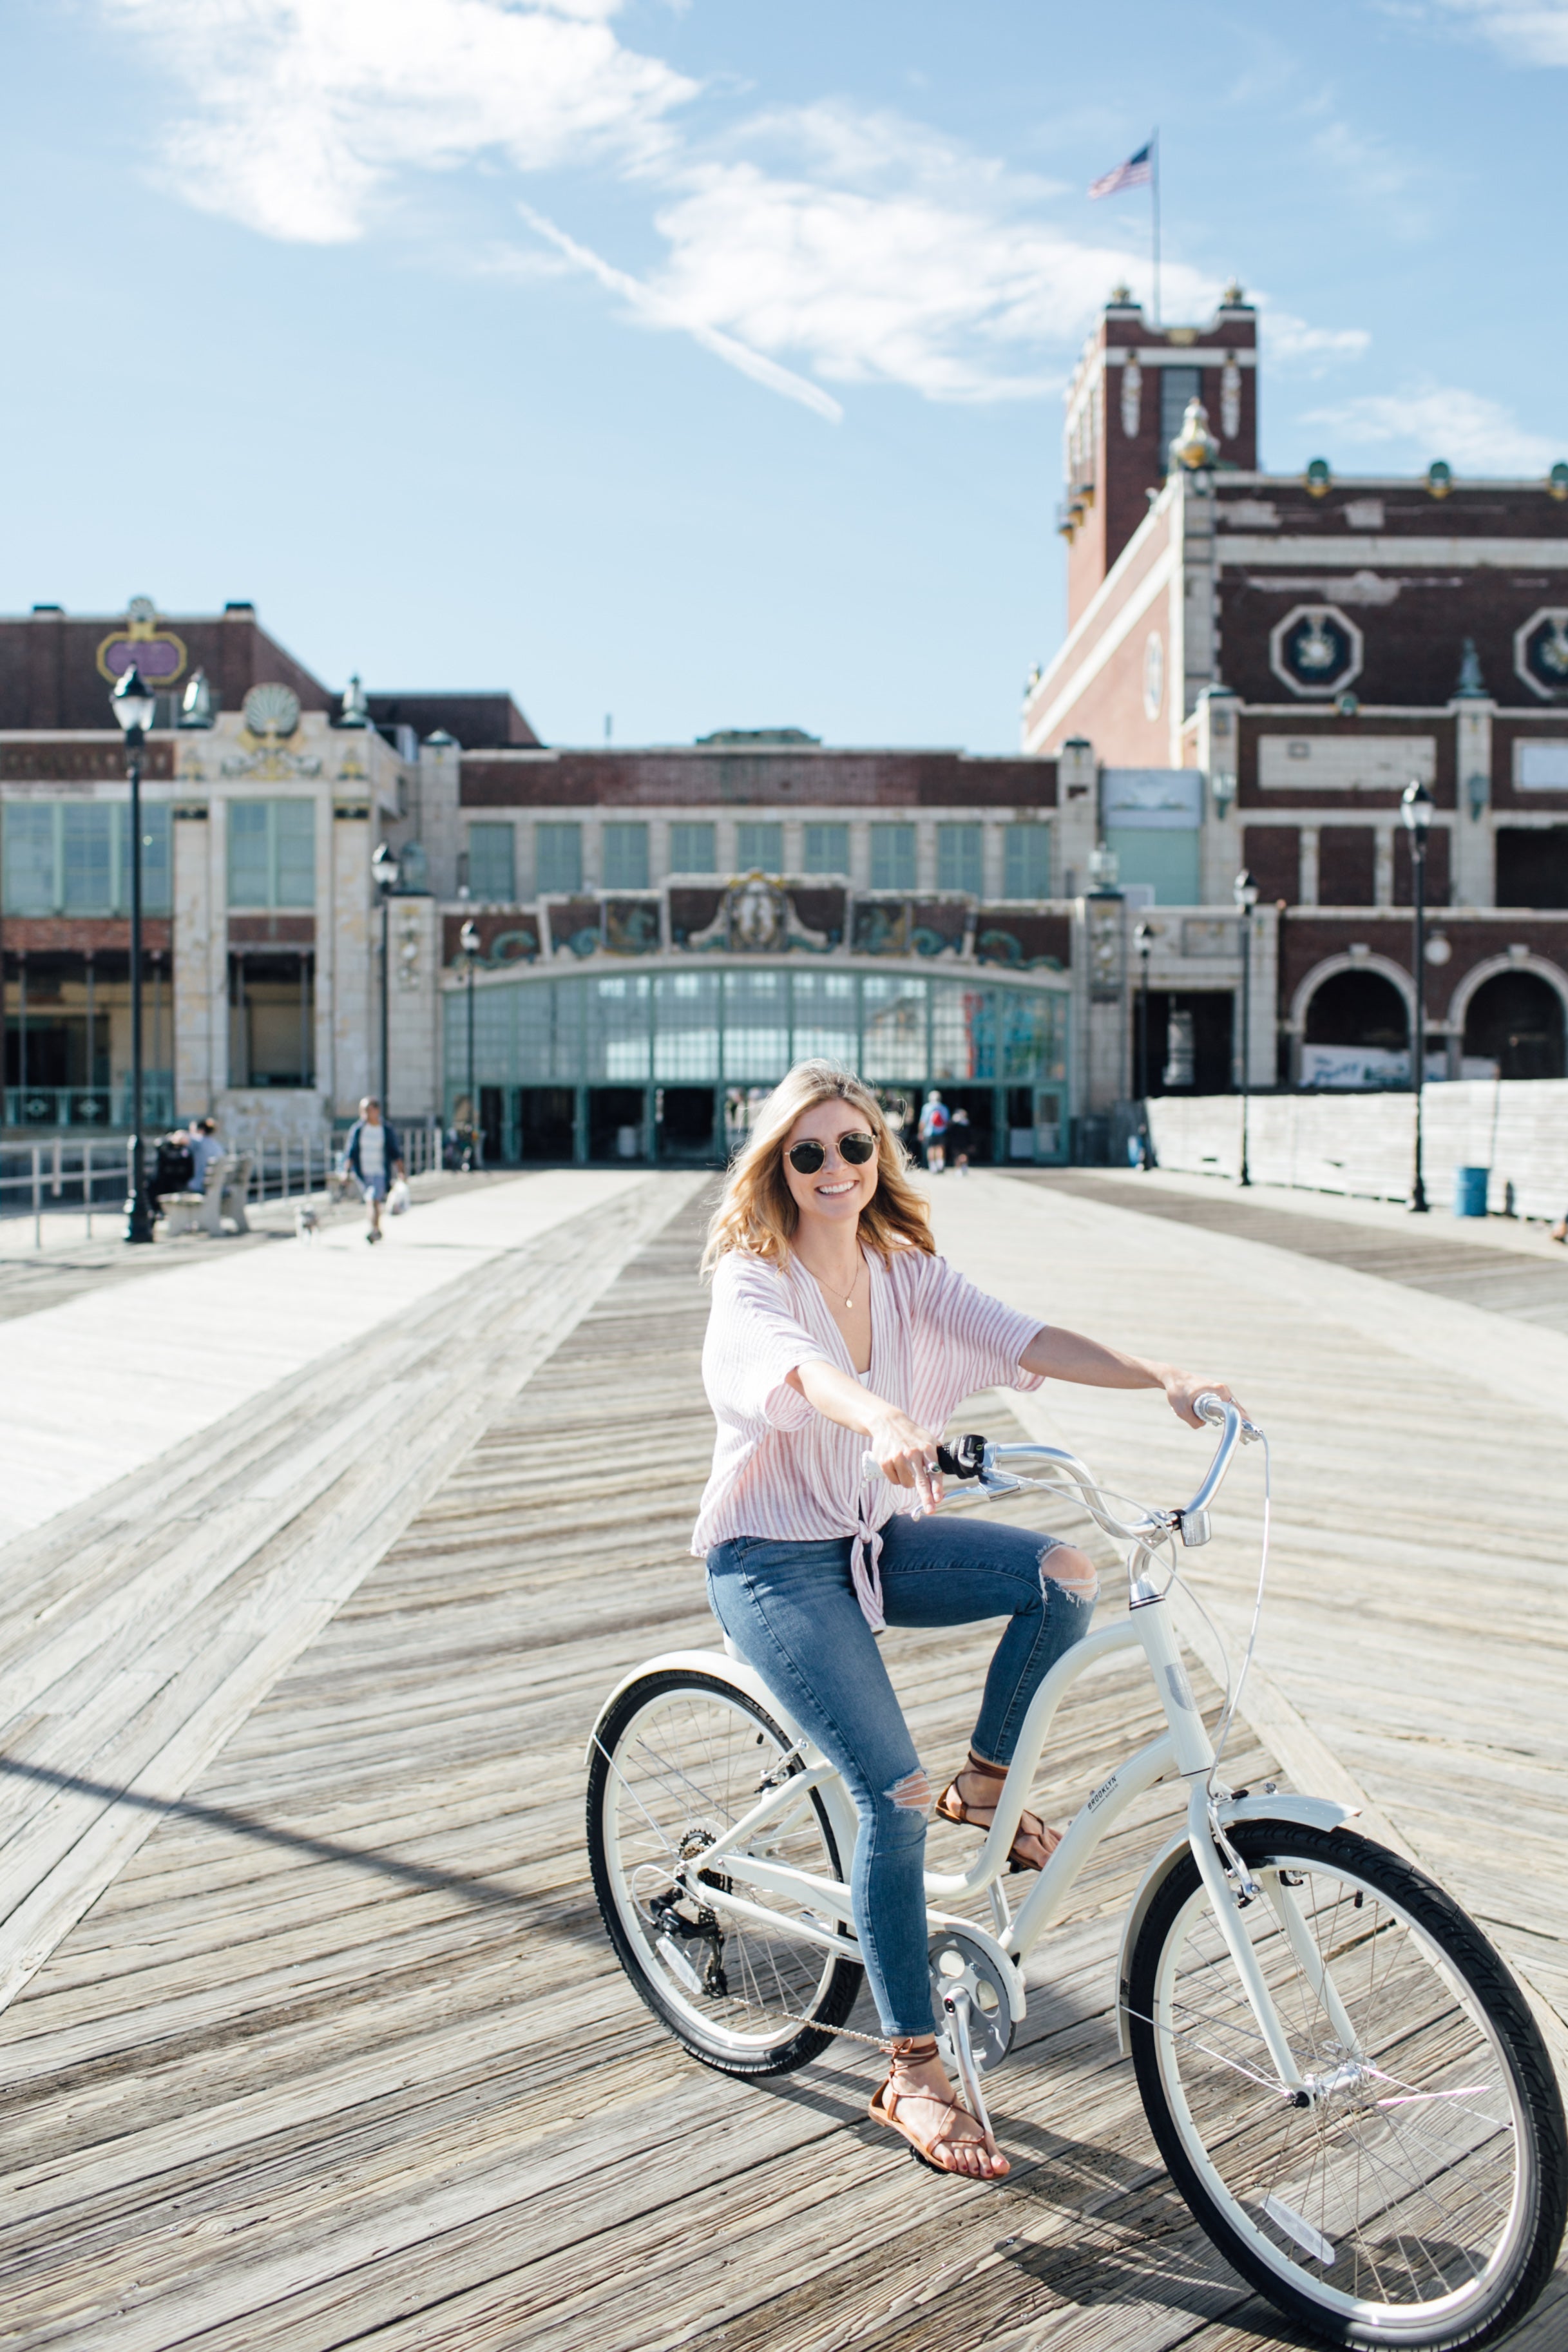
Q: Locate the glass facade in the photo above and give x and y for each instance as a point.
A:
(826, 849)
(492, 862)
(626, 857)
(656, 1063)
(692, 849)
(558, 856)
(73, 857)
(961, 857)
(892, 857)
(272, 853)
(1027, 861)
(759, 848)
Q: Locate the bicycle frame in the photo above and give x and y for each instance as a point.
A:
(1183, 1751)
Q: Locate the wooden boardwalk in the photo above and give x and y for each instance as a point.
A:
(336, 2052)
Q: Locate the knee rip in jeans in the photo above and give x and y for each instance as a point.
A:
(911, 1794)
(1072, 1569)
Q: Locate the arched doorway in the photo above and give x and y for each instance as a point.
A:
(1358, 1008)
(1515, 1019)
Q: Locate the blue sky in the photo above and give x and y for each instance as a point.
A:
(700, 365)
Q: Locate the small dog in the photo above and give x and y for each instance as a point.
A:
(307, 1223)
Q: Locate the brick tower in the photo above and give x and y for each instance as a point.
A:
(1124, 406)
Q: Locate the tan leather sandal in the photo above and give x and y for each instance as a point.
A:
(885, 2103)
(953, 1808)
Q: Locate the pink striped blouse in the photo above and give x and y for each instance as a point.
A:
(781, 1470)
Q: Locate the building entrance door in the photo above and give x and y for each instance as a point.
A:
(547, 1123)
(975, 1135)
(685, 1128)
(617, 1123)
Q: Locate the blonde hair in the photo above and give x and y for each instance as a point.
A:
(757, 1211)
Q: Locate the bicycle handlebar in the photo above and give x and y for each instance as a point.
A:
(975, 1458)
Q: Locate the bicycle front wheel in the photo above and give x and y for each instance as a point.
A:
(1415, 2194)
(679, 1759)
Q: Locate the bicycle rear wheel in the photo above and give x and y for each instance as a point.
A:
(682, 1757)
(1416, 2198)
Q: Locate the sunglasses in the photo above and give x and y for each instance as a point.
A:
(806, 1157)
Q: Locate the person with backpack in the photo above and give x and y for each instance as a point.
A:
(933, 1126)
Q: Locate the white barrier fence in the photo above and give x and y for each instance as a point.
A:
(89, 1179)
(1364, 1144)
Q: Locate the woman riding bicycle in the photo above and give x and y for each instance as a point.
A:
(836, 1331)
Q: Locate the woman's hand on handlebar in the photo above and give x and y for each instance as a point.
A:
(1182, 1390)
(906, 1454)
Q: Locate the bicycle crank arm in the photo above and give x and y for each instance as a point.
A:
(956, 2006)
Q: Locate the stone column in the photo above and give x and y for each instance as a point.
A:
(355, 1008)
(1311, 844)
(1382, 870)
(1073, 828)
(1472, 868)
(1218, 755)
(192, 935)
(412, 1032)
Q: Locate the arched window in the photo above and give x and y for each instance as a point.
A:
(1358, 1008)
(1515, 1019)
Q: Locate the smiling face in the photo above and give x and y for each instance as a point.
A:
(837, 1192)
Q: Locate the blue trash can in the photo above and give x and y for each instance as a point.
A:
(1471, 1191)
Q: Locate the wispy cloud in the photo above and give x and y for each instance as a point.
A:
(1472, 433)
(1290, 338)
(657, 311)
(1528, 32)
(304, 110)
(804, 245)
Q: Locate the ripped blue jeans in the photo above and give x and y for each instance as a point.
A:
(791, 1611)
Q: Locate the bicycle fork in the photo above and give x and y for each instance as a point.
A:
(1230, 1894)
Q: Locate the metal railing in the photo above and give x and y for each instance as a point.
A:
(88, 1177)
(107, 1108)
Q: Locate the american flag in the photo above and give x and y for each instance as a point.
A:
(1136, 173)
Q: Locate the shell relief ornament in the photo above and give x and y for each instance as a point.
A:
(1316, 650)
(270, 713)
(1540, 653)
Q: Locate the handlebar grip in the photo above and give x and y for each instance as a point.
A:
(965, 1458)
(1211, 1408)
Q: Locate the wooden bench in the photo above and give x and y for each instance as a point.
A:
(229, 1179)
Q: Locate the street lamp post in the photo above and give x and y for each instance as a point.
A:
(385, 870)
(468, 940)
(134, 708)
(1244, 890)
(1415, 808)
(1144, 939)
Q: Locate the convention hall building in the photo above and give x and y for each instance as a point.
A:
(1254, 668)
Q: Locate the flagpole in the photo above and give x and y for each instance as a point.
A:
(1154, 212)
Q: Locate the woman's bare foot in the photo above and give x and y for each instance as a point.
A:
(927, 2111)
(978, 1787)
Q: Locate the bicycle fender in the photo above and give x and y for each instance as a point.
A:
(745, 1678)
(1311, 1813)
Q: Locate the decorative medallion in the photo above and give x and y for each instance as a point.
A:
(158, 654)
(1131, 398)
(757, 917)
(1540, 653)
(1316, 650)
(1153, 673)
(272, 712)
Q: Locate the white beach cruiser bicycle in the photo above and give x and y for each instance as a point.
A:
(1340, 2075)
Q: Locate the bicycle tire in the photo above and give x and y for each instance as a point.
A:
(1401, 2136)
(710, 2029)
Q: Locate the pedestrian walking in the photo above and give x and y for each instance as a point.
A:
(933, 1132)
(373, 1157)
(958, 1136)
